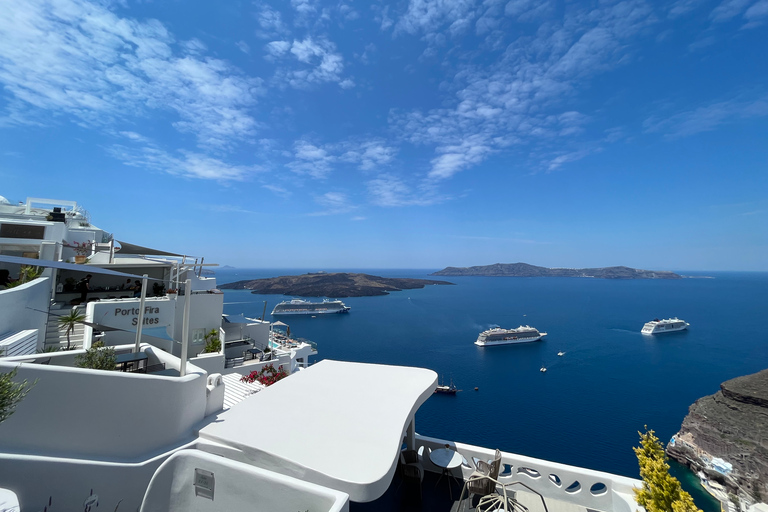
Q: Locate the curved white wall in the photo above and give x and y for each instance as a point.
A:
(26, 307)
(75, 412)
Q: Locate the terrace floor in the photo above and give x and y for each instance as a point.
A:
(404, 496)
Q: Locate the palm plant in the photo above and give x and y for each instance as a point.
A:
(69, 322)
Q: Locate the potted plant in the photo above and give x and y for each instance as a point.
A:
(82, 250)
(212, 342)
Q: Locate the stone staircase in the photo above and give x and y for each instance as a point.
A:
(54, 337)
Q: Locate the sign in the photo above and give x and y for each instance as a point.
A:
(124, 314)
(204, 483)
(22, 231)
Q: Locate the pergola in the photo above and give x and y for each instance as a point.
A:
(336, 424)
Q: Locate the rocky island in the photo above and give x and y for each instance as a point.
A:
(337, 285)
(526, 270)
(724, 436)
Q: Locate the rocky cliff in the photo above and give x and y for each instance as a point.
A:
(526, 270)
(732, 424)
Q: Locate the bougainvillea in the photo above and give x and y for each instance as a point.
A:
(268, 375)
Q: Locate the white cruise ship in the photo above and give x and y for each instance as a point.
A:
(497, 336)
(661, 326)
(305, 307)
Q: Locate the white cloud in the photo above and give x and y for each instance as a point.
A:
(333, 203)
(310, 159)
(707, 117)
(318, 161)
(277, 48)
(428, 16)
(728, 9)
(270, 23)
(188, 164)
(755, 14)
(369, 154)
(391, 191)
(521, 98)
(277, 190)
(77, 58)
(243, 47)
(321, 63)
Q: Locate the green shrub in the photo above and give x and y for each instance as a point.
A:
(98, 357)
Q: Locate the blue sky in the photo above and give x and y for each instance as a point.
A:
(411, 134)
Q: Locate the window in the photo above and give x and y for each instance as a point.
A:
(198, 336)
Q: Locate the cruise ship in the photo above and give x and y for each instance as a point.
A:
(497, 336)
(657, 326)
(305, 307)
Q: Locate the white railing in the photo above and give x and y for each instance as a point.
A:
(579, 486)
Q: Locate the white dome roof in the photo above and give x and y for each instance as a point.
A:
(4, 200)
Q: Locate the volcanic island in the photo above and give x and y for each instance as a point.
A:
(336, 284)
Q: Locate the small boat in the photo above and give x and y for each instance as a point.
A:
(561, 354)
(542, 369)
(447, 390)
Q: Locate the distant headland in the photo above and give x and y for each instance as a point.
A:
(526, 270)
(337, 285)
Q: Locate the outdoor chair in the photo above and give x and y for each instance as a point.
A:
(411, 470)
(479, 485)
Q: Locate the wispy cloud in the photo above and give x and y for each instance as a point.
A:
(80, 59)
(520, 99)
(333, 203)
(728, 9)
(186, 163)
(707, 117)
(229, 208)
(277, 190)
(389, 190)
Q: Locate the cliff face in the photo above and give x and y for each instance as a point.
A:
(731, 424)
(526, 270)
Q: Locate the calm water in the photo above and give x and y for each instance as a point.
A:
(587, 408)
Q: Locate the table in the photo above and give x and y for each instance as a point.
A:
(446, 459)
(123, 360)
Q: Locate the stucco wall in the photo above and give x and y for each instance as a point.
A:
(204, 313)
(26, 307)
(113, 415)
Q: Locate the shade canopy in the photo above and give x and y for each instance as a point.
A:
(86, 269)
(126, 248)
(336, 424)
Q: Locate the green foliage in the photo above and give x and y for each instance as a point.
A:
(26, 274)
(98, 357)
(661, 491)
(69, 321)
(11, 393)
(212, 342)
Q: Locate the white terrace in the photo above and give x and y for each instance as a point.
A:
(324, 437)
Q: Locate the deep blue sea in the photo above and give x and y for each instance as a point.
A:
(587, 408)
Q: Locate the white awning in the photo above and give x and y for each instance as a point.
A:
(336, 424)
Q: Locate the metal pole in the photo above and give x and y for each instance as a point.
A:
(264, 313)
(410, 435)
(185, 328)
(141, 312)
